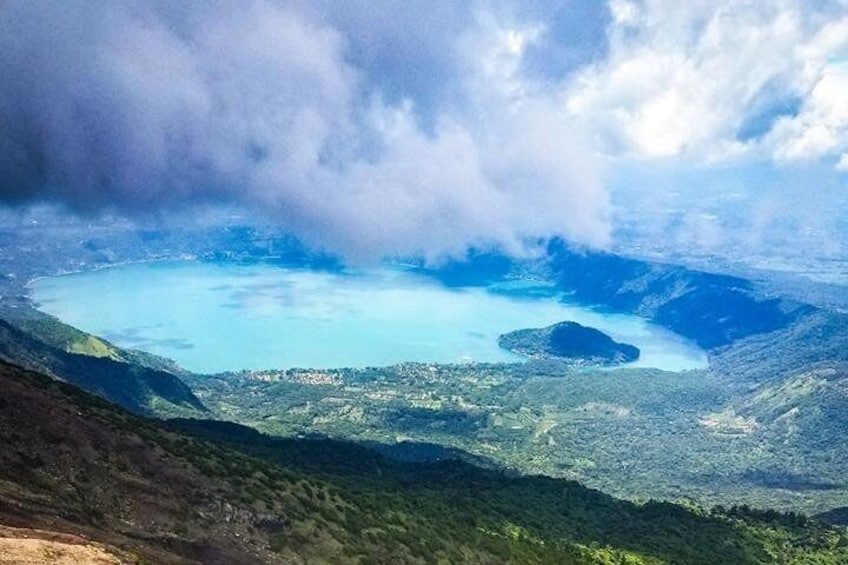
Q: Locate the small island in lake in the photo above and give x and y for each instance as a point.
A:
(570, 341)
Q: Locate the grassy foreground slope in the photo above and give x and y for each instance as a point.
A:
(216, 493)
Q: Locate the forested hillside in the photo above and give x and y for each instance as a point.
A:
(217, 493)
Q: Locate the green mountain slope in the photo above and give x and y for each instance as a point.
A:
(716, 438)
(136, 381)
(220, 493)
(712, 310)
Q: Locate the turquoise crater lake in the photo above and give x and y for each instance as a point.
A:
(213, 317)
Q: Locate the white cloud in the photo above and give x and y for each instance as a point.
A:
(285, 110)
(683, 78)
(624, 12)
(370, 130)
(821, 127)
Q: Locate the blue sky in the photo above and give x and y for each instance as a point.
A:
(379, 128)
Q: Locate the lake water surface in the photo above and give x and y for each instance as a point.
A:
(213, 317)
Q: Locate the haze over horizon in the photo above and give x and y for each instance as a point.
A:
(426, 128)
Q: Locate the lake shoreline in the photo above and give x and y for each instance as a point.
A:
(265, 296)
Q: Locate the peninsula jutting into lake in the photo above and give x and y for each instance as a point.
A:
(569, 341)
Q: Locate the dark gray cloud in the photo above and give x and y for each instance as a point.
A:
(116, 104)
(407, 50)
(367, 128)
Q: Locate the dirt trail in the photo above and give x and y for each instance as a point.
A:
(22, 546)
